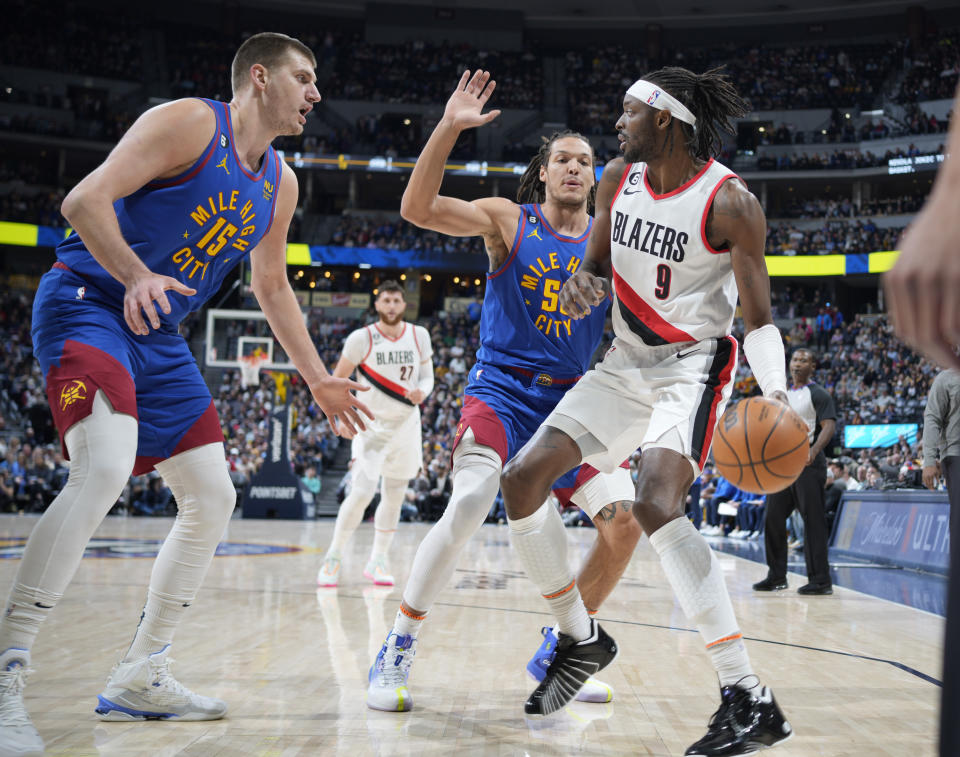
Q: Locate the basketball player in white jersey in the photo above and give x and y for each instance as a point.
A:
(395, 359)
(680, 236)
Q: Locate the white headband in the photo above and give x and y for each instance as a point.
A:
(655, 97)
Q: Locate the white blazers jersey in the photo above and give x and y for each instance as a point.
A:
(391, 367)
(670, 285)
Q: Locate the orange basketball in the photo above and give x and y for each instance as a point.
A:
(760, 445)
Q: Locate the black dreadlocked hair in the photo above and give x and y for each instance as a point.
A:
(532, 189)
(710, 97)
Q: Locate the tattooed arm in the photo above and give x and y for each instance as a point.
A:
(736, 222)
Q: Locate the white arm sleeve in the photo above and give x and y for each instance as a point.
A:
(763, 348)
(357, 346)
(425, 380)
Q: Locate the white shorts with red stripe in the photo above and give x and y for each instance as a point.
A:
(391, 448)
(642, 397)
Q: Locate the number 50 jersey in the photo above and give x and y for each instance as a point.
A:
(669, 284)
(521, 325)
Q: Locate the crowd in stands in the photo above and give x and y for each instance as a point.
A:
(396, 234)
(845, 207)
(770, 78)
(424, 72)
(41, 208)
(842, 129)
(846, 159)
(65, 37)
(932, 68)
(835, 237)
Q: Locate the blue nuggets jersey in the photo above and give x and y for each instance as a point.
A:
(194, 227)
(521, 324)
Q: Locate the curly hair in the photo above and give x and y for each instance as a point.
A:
(711, 98)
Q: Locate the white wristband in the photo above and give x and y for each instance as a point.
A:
(763, 348)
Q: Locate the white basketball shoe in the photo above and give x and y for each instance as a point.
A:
(329, 572)
(377, 572)
(389, 672)
(145, 690)
(18, 737)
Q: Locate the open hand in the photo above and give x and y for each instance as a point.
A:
(336, 398)
(468, 99)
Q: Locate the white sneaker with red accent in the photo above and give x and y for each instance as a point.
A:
(329, 572)
(376, 571)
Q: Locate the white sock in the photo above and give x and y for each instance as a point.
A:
(697, 580)
(362, 490)
(387, 516)
(541, 542)
(205, 499)
(476, 480)
(102, 450)
(27, 608)
(406, 624)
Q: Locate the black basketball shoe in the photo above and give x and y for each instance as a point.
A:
(745, 723)
(573, 664)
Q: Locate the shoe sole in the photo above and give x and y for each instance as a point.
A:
(773, 588)
(327, 585)
(405, 705)
(577, 698)
(756, 749)
(117, 716)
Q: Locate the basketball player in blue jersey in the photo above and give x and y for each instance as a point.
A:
(193, 188)
(530, 354)
(680, 236)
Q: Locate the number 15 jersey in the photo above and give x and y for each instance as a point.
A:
(670, 285)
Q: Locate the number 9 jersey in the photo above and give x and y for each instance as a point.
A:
(670, 285)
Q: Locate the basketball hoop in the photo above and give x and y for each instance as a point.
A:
(250, 366)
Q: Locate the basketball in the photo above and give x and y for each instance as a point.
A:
(761, 445)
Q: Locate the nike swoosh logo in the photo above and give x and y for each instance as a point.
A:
(632, 191)
(682, 355)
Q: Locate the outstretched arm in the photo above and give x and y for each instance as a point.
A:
(590, 285)
(275, 295)
(493, 218)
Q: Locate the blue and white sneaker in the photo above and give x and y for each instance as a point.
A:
(592, 691)
(145, 690)
(388, 675)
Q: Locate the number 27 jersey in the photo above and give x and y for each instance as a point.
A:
(670, 285)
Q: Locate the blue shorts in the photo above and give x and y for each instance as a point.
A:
(83, 344)
(504, 409)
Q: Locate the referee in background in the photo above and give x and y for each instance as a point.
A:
(815, 405)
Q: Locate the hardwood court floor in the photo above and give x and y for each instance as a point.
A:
(856, 675)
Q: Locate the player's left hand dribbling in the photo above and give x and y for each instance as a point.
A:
(779, 397)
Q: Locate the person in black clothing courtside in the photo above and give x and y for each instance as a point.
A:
(815, 405)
